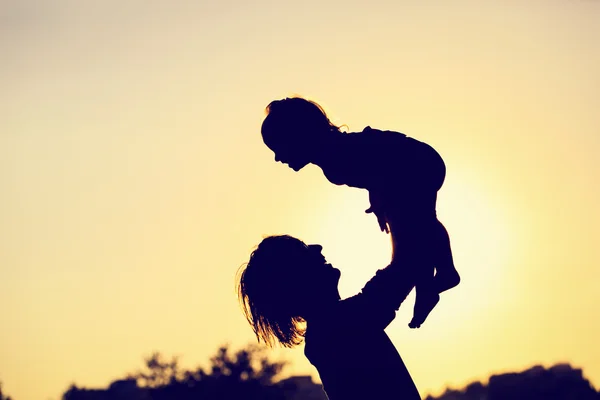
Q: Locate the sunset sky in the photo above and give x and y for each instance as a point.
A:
(134, 181)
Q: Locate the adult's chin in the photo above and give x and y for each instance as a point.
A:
(336, 274)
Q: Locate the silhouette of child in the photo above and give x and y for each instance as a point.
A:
(402, 175)
(289, 293)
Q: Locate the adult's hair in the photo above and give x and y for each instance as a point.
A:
(271, 290)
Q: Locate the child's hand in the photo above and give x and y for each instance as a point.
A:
(380, 218)
(376, 208)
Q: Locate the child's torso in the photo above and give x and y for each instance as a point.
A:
(404, 172)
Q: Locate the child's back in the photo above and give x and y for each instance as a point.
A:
(397, 166)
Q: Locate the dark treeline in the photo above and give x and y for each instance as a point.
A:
(249, 374)
(2, 395)
(559, 382)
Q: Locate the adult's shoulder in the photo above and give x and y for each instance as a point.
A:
(364, 312)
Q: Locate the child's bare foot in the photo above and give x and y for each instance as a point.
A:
(424, 303)
(446, 280)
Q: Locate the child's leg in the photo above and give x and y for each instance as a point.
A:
(426, 299)
(446, 276)
(411, 250)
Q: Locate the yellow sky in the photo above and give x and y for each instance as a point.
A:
(134, 181)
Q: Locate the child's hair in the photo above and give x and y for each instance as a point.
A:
(297, 114)
(269, 288)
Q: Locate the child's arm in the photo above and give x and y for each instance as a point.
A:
(377, 209)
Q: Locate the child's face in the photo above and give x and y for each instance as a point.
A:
(289, 149)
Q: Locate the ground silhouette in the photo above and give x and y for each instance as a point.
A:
(2, 395)
(249, 374)
(559, 382)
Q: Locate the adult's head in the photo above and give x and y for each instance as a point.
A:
(285, 281)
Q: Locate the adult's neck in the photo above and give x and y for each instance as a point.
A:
(319, 309)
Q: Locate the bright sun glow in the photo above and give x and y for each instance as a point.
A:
(480, 233)
(482, 241)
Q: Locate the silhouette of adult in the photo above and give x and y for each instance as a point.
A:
(289, 293)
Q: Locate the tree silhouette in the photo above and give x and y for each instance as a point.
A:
(159, 372)
(249, 374)
(2, 396)
(249, 364)
(559, 382)
(245, 374)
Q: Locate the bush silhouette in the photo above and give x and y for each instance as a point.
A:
(559, 382)
(2, 396)
(248, 373)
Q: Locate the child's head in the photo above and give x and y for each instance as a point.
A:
(292, 127)
(283, 280)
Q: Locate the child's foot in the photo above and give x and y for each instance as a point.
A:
(424, 303)
(446, 280)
